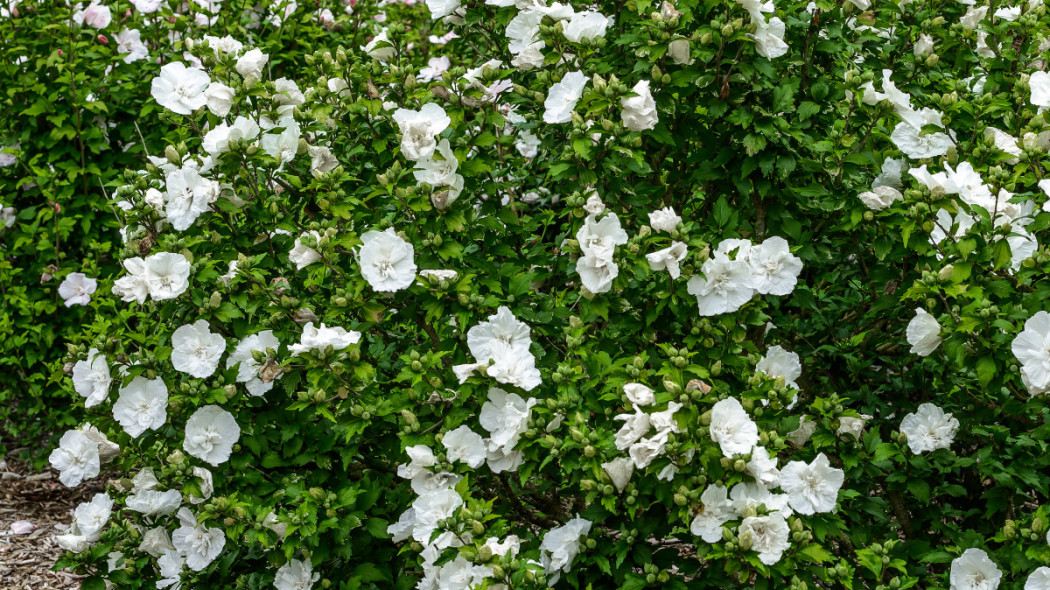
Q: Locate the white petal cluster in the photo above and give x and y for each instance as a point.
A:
(1032, 349)
(164, 275)
(419, 129)
(929, 428)
(387, 261)
(501, 347)
(211, 433)
(248, 368)
(195, 350)
(318, 338)
(728, 282)
(91, 378)
(973, 570)
(89, 518)
(598, 241)
(142, 405)
(923, 333)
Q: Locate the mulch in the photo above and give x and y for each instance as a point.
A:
(34, 507)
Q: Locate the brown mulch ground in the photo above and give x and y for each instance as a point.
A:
(26, 558)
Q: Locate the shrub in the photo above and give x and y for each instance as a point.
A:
(642, 296)
(75, 113)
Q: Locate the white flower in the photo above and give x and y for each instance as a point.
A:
(76, 289)
(420, 457)
(465, 445)
(88, 520)
(762, 467)
(774, 269)
(973, 17)
(188, 195)
(106, 450)
(780, 363)
(302, 255)
(1038, 580)
(664, 421)
(248, 371)
(638, 394)
(295, 575)
(207, 485)
(562, 98)
(634, 427)
(387, 261)
(196, 350)
(769, 38)
(906, 135)
(142, 405)
(586, 24)
(923, 46)
(1032, 348)
(923, 333)
(929, 429)
(282, 146)
(218, 140)
(619, 470)
(383, 54)
(500, 460)
(716, 511)
(770, 536)
(639, 112)
(561, 545)
(198, 544)
(219, 98)
(419, 129)
(180, 89)
(812, 488)
(668, 259)
(600, 238)
(317, 339)
(597, 273)
(146, 6)
(853, 425)
(155, 542)
(441, 172)
(166, 275)
(153, 502)
(646, 450)
(725, 286)
(973, 570)
(664, 220)
(506, 417)
(880, 197)
(1039, 82)
(442, 8)
(76, 458)
(129, 41)
(732, 428)
(594, 205)
(211, 433)
(91, 378)
(95, 15)
(250, 65)
(431, 509)
(435, 67)
(223, 46)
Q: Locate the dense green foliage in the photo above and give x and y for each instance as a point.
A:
(897, 149)
(73, 116)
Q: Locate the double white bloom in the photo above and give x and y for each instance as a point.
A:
(419, 129)
(598, 241)
(501, 347)
(1032, 348)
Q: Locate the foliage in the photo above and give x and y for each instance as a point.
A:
(917, 188)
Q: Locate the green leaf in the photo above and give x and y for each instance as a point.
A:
(985, 369)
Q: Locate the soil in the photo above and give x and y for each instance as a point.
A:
(27, 556)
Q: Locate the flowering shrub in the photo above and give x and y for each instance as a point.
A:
(516, 295)
(74, 114)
